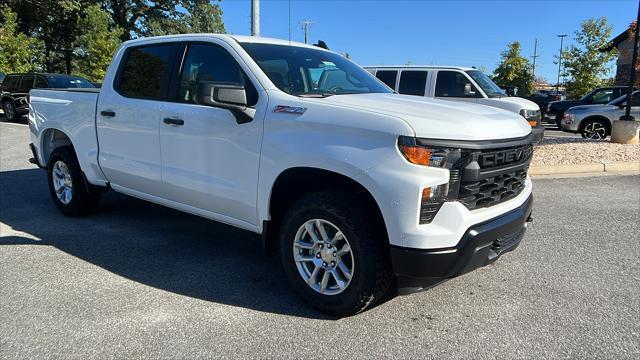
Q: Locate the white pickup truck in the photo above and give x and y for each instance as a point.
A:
(362, 191)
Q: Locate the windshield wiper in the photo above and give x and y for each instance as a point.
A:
(315, 95)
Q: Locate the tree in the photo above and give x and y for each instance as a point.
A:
(129, 15)
(18, 52)
(96, 43)
(199, 16)
(584, 64)
(514, 70)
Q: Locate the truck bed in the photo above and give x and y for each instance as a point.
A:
(72, 112)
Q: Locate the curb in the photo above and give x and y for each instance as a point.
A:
(585, 168)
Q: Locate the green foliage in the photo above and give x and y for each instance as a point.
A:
(18, 52)
(96, 43)
(132, 15)
(199, 16)
(585, 64)
(514, 70)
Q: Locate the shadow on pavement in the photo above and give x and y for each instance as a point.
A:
(152, 245)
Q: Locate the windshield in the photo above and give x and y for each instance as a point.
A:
(63, 82)
(486, 84)
(304, 71)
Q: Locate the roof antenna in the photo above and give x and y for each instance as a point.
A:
(289, 22)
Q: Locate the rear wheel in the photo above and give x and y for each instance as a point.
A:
(333, 254)
(10, 112)
(67, 186)
(595, 129)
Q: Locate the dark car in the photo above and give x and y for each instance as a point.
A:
(543, 97)
(14, 91)
(555, 110)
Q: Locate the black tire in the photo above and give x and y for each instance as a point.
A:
(10, 112)
(559, 117)
(597, 129)
(372, 275)
(82, 200)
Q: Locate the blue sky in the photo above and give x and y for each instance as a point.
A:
(470, 33)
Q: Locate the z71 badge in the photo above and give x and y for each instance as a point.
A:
(289, 109)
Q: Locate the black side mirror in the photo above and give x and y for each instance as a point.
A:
(230, 96)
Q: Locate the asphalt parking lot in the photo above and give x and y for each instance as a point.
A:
(139, 280)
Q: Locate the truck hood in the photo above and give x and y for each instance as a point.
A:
(440, 119)
(522, 103)
(591, 108)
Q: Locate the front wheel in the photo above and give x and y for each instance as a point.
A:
(595, 129)
(334, 254)
(10, 112)
(67, 186)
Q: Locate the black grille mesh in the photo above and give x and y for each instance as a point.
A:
(492, 191)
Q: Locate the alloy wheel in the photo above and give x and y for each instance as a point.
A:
(595, 130)
(323, 257)
(62, 183)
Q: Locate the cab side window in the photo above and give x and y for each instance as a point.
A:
(413, 82)
(388, 77)
(453, 84)
(211, 63)
(146, 71)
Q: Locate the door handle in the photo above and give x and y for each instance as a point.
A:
(107, 113)
(172, 121)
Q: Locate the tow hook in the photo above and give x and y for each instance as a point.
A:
(529, 219)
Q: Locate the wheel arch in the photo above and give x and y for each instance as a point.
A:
(295, 182)
(51, 139)
(606, 121)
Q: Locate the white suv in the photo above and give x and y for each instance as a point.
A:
(457, 83)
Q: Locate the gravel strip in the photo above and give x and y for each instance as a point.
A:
(565, 151)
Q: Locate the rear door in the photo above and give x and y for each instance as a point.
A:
(21, 96)
(210, 161)
(454, 85)
(128, 118)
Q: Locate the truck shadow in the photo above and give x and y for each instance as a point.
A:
(152, 245)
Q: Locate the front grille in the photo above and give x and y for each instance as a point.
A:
(502, 157)
(492, 190)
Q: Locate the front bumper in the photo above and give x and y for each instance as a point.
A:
(538, 133)
(481, 244)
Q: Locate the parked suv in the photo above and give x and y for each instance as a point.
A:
(457, 83)
(594, 121)
(555, 110)
(14, 91)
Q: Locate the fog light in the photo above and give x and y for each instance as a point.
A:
(432, 200)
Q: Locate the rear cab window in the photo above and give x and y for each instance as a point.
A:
(413, 82)
(146, 71)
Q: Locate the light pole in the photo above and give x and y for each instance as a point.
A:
(561, 36)
(255, 17)
(632, 74)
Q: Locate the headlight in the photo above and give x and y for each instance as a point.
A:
(432, 198)
(568, 118)
(532, 116)
(423, 154)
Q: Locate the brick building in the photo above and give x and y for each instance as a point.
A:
(624, 44)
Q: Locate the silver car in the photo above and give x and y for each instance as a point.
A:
(594, 121)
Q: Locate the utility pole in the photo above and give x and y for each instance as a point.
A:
(535, 56)
(561, 36)
(255, 17)
(305, 26)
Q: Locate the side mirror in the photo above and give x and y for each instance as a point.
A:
(468, 91)
(230, 96)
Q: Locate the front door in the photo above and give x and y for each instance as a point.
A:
(210, 161)
(454, 85)
(128, 119)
